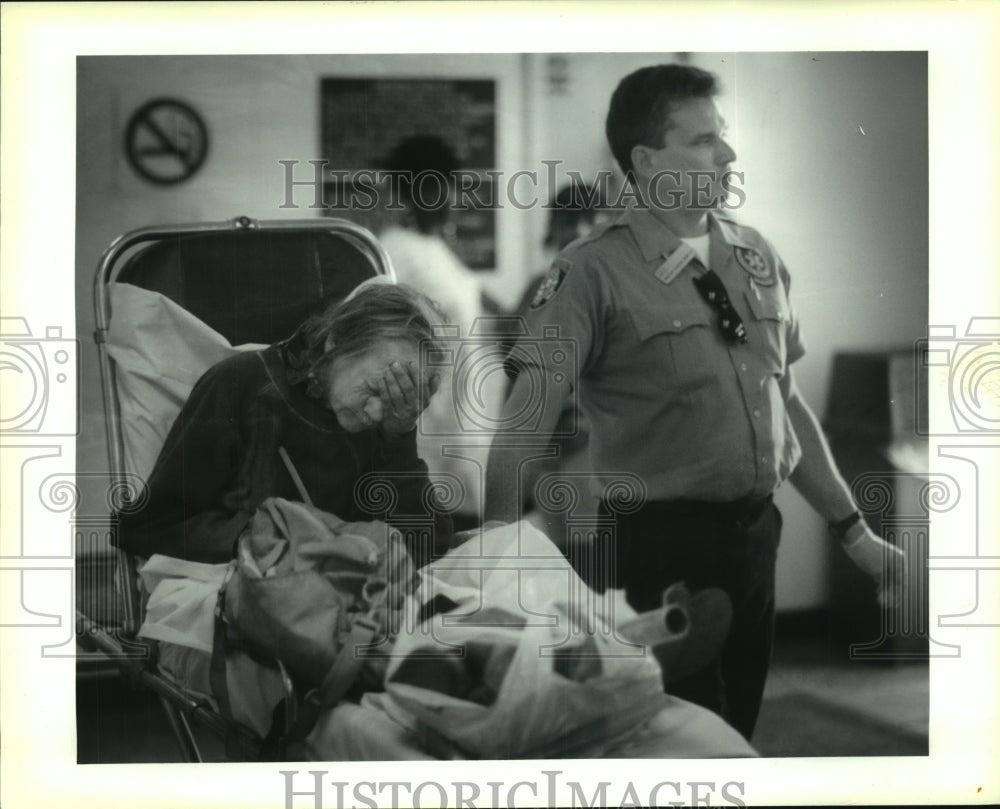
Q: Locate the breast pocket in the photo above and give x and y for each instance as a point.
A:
(676, 345)
(770, 317)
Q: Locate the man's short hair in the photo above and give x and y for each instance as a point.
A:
(640, 106)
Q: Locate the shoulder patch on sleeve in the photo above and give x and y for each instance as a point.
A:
(550, 285)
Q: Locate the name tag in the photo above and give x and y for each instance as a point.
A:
(675, 262)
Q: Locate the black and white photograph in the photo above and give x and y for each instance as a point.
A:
(424, 421)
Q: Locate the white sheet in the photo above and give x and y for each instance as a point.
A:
(377, 730)
(181, 608)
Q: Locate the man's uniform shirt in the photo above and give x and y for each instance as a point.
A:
(667, 397)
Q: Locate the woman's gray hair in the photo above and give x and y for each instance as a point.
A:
(372, 314)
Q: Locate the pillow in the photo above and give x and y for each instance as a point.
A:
(160, 350)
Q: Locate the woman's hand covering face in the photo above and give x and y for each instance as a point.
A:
(379, 388)
(402, 398)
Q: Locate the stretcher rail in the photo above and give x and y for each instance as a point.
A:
(181, 707)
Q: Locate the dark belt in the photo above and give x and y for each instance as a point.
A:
(746, 510)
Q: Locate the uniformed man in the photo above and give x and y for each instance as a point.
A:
(685, 337)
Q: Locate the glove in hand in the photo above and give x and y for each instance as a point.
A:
(884, 562)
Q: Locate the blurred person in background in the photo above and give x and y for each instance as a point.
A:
(417, 239)
(417, 244)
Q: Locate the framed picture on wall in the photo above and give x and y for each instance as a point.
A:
(362, 119)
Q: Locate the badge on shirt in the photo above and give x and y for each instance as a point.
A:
(675, 262)
(755, 264)
(550, 285)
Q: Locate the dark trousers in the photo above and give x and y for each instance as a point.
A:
(731, 546)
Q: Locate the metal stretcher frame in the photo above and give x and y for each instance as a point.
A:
(180, 707)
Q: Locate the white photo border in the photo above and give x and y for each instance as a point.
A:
(39, 49)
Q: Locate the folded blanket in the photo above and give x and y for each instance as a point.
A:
(182, 596)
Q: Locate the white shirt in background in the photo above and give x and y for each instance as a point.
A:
(426, 263)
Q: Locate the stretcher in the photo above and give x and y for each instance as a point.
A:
(169, 303)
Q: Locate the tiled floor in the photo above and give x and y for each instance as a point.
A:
(821, 702)
(897, 693)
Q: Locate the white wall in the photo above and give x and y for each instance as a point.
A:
(834, 147)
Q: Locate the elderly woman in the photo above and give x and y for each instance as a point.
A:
(307, 419)
(337, 401)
